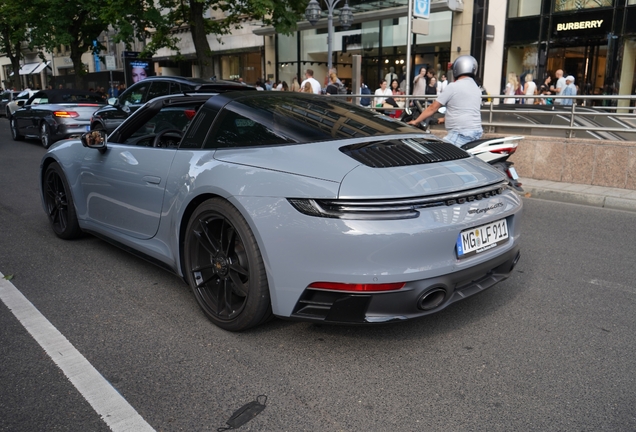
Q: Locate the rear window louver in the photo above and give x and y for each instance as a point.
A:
(396, 153)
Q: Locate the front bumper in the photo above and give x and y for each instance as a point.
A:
(417, 298)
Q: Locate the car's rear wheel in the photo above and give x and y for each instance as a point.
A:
(59, 204)
(45, 135)
(14, 131)
(8, 113)
(224, 267)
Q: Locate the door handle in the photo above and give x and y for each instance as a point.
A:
(151, 179)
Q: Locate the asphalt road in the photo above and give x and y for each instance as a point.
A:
(551, 348)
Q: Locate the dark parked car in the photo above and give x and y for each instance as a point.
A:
(118, 109)
(7, 96)
(52, 115)
(297, 205)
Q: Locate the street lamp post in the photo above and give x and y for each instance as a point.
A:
(313, 11)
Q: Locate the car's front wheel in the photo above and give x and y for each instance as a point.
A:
(45, 135)
(59, 204)
(14, 131)
(224, 267)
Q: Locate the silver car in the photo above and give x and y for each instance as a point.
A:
(293, 205)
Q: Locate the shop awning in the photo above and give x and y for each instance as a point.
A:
(28, 68)
(40, 67)
(32, 68)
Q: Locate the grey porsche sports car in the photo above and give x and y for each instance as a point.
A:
(293, 205)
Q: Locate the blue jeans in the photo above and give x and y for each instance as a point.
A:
(460, 138)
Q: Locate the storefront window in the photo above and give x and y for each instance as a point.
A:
(523, 60)
(570, 5)
(522, 8)
(628, 72)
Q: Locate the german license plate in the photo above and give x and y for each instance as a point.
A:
(482, 238)
(88, 128)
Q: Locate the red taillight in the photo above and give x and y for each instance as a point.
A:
(65, 114)
(357, 287)
(507, 150)
(190, 113)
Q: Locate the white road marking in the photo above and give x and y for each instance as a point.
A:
(105, 400)
(613, 285)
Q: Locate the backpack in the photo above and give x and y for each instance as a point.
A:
(341, 88)
(365, 91)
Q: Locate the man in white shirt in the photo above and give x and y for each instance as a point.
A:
(441, 84)
(560, 86)
(315, 85)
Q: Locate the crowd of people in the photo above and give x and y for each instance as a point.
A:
(522, 89)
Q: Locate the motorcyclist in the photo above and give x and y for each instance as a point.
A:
(462, 99)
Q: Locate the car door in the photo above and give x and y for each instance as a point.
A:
(125, 184)
(129, 102)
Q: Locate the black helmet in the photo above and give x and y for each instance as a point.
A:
(465, 65)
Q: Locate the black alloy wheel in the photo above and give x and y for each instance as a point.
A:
(45, 135)
(14, 131)
(59, 204)
(224, 267)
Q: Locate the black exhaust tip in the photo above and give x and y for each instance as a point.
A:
(431, 298)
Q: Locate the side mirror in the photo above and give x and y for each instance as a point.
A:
(94, 139)
(113, 101)
(20, 103)
(442, 110)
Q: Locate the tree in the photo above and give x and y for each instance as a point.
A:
(13, 33)
(283, 15)
(77, 24)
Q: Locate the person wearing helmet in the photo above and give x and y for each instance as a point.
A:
(462, 99)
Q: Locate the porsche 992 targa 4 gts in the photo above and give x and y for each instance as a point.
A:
(299, 206)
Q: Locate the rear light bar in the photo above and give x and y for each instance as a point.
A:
(65, 114)
(506, 150)
(335, 286)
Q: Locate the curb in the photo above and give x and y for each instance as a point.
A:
(610, 202)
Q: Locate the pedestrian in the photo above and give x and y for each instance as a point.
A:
(309, 78)
(381, 97)
(442, 83)
(560, 86)
(419, 83)
(569, 90)
(397, 92)
(307, 88)
(431, 88)
(529, 89)
(364, 90)
(544, 90)
(284, 86)
(295, 87)
(511, 88)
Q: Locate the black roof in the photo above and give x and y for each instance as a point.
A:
(203, 84)
(68, 96)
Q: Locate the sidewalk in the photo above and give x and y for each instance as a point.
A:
(597, 196)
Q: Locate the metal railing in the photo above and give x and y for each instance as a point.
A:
(586, 114)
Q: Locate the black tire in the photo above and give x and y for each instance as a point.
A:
(59, 204)
(14, 131)
(45, 135)
(8, 113)
(224, 267)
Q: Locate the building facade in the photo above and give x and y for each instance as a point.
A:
(592, 40)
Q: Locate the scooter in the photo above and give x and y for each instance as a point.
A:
(494, 151)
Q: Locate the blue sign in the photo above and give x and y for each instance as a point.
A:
(422, 8)
(96, 58)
